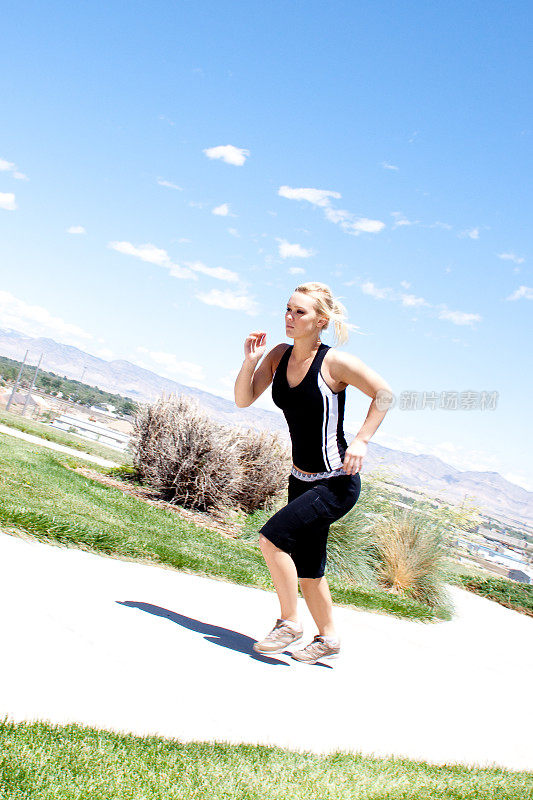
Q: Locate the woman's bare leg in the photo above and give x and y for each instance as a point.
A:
(284, 577)
(318, 598)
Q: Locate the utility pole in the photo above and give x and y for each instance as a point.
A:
(15, 387)
(32, 385)
(83, 373)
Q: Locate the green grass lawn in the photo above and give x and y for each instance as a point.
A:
(39, 494)
(39, 760)
(55, 435)
(518, 596)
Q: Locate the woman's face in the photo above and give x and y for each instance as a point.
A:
(301, 319)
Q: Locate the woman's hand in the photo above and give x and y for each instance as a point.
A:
(255, 346)
(353, 458)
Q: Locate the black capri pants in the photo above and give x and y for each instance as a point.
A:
(301, 527)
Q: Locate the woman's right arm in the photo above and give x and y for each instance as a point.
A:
(252, 382)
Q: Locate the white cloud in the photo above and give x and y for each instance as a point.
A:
(220, 273)
(228, 380)
(172, 366)
(374, 291)
(7, 201)
(35, 320)
(463, 458)
(153, 255)
(458, 317)
(167, 365)
(318, 197)
(105, 353)
(511, 257)
(146, 252)
(222, 211)
(522, 291)
(444, 225)
(9, 166)
(473, 233)
(386, 165)
(288, 250)
(228, 153)
(387, 293)
(322, 198)
(337, 215)
(413, 300)
(400, 220)
(363, 225)
(234, 232)
(521, 480)
(405, 284)
(296, 270)
(181, 272)
(169, 184)
(234, 301)
(76, 229)
(228, 384)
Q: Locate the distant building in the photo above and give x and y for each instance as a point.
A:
(105, 408)
(34, 403)
(519, 576)
(19, 399)
(92, 430)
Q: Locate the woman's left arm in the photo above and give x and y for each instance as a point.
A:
(350, 370)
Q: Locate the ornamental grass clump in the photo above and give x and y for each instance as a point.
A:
(351, 549)
(194, 461)
(351, 542)
(410, 556)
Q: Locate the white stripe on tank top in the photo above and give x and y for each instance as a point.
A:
(330, 449)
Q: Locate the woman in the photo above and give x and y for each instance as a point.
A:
(309, 380)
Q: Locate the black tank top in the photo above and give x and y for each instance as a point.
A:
(314, 414)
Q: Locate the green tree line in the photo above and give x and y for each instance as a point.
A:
(72, 390)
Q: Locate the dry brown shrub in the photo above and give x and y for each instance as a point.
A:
(194, 461)
(265, 464)
(411, 556)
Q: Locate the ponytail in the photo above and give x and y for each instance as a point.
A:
(328, 306)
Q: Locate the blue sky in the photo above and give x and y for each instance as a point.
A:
(169, 171)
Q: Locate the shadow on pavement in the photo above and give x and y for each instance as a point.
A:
(223, 637)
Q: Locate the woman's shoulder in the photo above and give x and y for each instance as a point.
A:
(341, 367)
(277, 353)
(334, 356)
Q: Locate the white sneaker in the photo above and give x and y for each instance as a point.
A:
(317, 650)
(281, 636)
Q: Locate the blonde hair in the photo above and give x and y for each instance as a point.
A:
(328, 306)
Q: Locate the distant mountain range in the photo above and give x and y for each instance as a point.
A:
(492, 494)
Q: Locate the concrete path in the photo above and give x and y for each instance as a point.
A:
(28, 437)
(145, 649)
